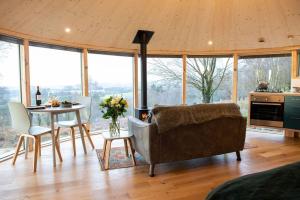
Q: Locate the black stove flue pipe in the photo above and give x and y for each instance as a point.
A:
(143, 37)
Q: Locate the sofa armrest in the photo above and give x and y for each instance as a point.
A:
(144, 137)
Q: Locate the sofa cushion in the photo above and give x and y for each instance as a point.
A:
(169, 117)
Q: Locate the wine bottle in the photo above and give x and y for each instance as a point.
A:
(38, 97)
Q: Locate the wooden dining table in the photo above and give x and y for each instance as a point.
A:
(55, 111)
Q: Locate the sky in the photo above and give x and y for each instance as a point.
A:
(54, 68)
(9, 66)
(111, 70)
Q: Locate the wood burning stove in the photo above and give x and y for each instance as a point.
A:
(143, 37)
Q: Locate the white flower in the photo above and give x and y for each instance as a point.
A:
(117, 98)
(113, 102)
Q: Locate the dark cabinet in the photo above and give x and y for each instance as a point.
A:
(292, 112)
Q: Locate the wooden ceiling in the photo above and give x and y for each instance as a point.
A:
(181, 26)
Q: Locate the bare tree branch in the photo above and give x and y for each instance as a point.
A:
(202, 74)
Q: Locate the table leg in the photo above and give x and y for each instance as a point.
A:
(131, 151)
(107, 154)
(126, 147)
(80, 129)
(53, 140)
(104, 149)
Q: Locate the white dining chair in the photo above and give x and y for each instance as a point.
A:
(85, 115)
(21, 123)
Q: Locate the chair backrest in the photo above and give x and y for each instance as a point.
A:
(19, 117)
(85, 114)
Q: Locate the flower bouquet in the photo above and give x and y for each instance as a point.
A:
(113, 107)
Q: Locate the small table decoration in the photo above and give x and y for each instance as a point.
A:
(66, 104)
(113, 107)
(54, 102)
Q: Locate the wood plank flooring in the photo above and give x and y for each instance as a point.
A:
(81, 178)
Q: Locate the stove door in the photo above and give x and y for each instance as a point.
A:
(267, 111)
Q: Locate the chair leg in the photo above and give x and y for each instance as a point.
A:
(26, 142)
(238, 156)
(40, 146)
(20, 141)
(88, 135)
(57, 138)
(58, 151)
(73, 140)
(57, 144)
(36, 149)
(151, 170)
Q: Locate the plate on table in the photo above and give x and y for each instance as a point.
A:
(35, 107)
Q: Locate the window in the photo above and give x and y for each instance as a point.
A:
(276, 70)
(209, 79)
(9, 91)
(164, 77)
(58, 73)
(109, 75)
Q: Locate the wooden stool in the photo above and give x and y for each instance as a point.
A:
(108, 138)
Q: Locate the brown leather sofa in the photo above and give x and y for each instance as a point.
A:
(186, 132)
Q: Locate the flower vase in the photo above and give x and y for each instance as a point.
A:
(114, 128)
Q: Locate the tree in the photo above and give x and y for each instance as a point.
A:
(274, 70)
(204, 74)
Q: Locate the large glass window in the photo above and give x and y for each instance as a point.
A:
(9, 91)
(164, 77)
(58, 73)
(275, 70)
(109, 75)
(209, 79)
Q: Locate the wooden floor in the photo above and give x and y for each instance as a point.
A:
(81, 177)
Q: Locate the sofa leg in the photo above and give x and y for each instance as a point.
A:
(238, 156)
(151, 170)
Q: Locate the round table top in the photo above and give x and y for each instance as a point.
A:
(58, 109)
(123, 135)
